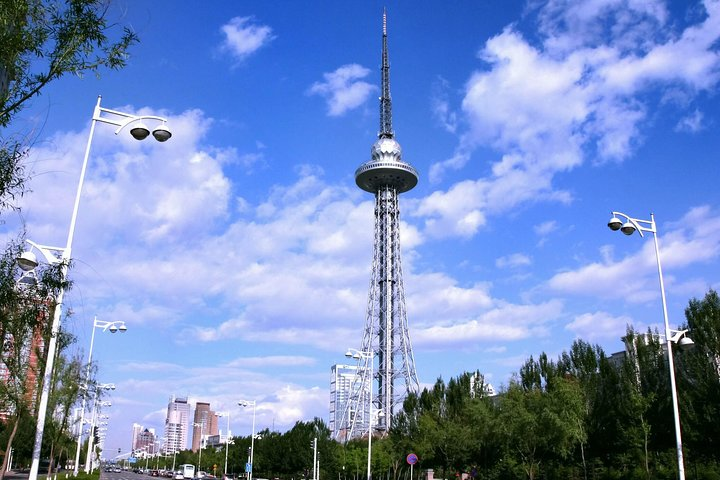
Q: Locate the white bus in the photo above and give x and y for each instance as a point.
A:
(187, 470)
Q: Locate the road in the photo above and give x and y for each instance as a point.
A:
(126, 475)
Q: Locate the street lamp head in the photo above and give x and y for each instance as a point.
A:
(614, 224)
(162, 133)
(628, 228)
(113, 329)
(27, 261)
(28, 279)
(139, 131)
(122, 328)
(686, 343)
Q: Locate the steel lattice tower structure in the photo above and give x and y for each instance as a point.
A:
(386, 175)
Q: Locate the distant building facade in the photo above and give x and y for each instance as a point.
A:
(341, 384)
(26, 355)
(146, 444)
(205, 424)
(176, 425)
(136, 431)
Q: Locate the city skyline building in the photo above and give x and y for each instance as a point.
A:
(205, 424)
(136, 431)
(385, 335)
(176, 425)
(342, 381)
(146, 443)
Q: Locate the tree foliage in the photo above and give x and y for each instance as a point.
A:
(26, 305)
(584, 415)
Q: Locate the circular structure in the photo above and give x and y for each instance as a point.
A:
(386, 168)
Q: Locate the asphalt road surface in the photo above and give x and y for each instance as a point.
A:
(125, 475)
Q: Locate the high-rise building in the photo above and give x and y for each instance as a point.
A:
(136, 431)
(147, 442)
(342, 381)
(144, 440)
(386, 335)
(176, 425)
(205, 424)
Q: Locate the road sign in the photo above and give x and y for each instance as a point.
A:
(132, 459)
(248, 467)
(412, 459)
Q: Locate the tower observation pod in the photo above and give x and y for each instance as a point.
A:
(385, 335)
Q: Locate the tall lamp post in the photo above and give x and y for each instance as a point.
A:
(227, 438)
(27, 260)
(97, 403)
(112, 327)
(369, 356)
(246, 403)
(628, 227)
(201, 425)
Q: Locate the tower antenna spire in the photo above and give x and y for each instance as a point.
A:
(386, 130)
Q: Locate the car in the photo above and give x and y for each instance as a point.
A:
(178, 476)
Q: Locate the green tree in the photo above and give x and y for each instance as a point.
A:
(67, 378)
(699, 377)
(25, 307)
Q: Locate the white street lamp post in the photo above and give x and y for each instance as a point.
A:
(671, 336)
(227, 439)
(370, 357)
(201, 444)
(139, 132)
(315, 462)
(246, 403)
(112, 327)
(96, 403)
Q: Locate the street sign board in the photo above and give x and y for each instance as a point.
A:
(248, 467)
(132, 459)
(412, 459)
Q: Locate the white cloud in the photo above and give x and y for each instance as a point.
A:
(272, 361)
(243, 37)
(513, 260)
(505, 321)
(343, 89)
(598, 326)
(691, 123)
(441, 107)
(694, 239)
(280, 403)
(545, 228)
(600, 77)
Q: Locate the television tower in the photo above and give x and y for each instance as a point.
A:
(386, 336)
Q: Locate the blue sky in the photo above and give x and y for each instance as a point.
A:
(238, 253)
